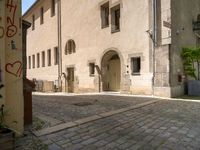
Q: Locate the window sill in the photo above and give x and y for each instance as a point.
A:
(115, 31)
(103, 27)
(91, 75)
(136, 74)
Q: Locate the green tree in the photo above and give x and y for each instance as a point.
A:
(191, 57)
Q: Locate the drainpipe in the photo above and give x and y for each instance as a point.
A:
(154, 40)
(59, 44)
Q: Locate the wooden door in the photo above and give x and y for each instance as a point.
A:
(114, 75)
(70, 79)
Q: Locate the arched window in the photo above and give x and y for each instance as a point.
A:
(70, 47)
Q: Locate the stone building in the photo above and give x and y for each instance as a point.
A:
(128, 46)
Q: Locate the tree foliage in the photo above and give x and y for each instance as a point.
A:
(191, 57)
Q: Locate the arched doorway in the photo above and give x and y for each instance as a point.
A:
(111, 71)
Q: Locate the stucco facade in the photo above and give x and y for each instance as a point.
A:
(138, 58)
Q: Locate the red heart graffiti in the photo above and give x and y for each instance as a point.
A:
(14, 68)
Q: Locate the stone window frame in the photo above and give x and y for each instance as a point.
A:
(136, 55)
(137, 70)
(113, 18)
(91, 63)
(105, 16)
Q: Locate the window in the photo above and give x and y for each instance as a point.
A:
(33, 57)
(29, 62)
(41, 15)
(70, 47)
(33, 22)
(43, 59)
(198, 38)
(38, 60)
(56, 56)
(49, 57)
(53, 8)
(105, 15)
(115, 16)
(136, 65)
(92, 69)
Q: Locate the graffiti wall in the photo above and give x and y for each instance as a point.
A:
(11, 82)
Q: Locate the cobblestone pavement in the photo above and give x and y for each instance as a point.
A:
(163, 125)
(60, 109)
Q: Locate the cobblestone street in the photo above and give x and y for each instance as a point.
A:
(166, 124)
(60, 109)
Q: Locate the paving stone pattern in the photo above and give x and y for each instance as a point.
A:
(170, 125)
(61, 109)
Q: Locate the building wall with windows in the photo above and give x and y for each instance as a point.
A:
(94, 36)
(111, 45)
(42, 41)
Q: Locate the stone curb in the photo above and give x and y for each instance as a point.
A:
(89, 119)
(114, 94)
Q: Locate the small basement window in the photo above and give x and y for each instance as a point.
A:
(92, 69)
(135, 65)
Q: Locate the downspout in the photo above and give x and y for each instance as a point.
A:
(59, 45)
(154, 40)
